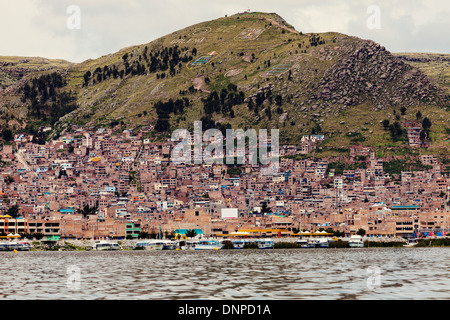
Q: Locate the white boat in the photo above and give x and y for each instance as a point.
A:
(323, 243)
(169, 245)
(356, 241)
(264, 243)
(103, 245)
(188, 244)
(4, 246)
(411, 242)
(307, 243)
(24, 246)
(207, 244)
(238, 243)
(152, 244)
(15, 245)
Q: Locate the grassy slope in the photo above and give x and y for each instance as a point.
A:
(437, 68)
(125, 99)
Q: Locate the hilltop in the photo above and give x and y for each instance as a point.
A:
(246, 70)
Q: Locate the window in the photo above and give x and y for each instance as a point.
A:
(197, 213)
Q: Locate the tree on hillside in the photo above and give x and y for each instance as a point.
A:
(426, 124)
(403, 110)
(88, 210)
(361, 232)
(418, 115)
(13, 211)
(265, 208)
(7, 134)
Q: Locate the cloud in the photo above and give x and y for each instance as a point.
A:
(38, 27)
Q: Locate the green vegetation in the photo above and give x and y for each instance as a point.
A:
(397, 166)
(339, 244)
(444, 242)
(286, 245)
(379, 244)
(245, 82)
(191, 233)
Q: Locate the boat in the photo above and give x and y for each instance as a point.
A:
(169, 245)
(103, 245)
(238, 243)
(208, 244)
(14, 245)
(305, 243)
(24, 246)
(411, 242)
(323, 243)
(265, 243)
(356, 241)
(152, 244)
(188, 244)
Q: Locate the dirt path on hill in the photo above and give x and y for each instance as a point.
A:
(21, 159)
(198, 84)
(281, 26)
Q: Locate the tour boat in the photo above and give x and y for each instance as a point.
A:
(356, 241)
(238, 243)
(14, 245)
(323, 243)
(305, 243)
(24, 246)
(208, 245)
(411, 242)
(265, 243)
(152, 244)
(103, 245)
(4, 246)
(188, 244)
(169, 245)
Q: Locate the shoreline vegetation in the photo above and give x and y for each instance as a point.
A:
(128, 245)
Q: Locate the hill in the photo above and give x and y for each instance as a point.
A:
(246, 70)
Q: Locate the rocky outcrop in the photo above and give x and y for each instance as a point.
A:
(369, 73)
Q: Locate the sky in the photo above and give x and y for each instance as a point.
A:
(77, 30)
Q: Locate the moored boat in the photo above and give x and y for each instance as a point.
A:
(356, 241)
(265, 243)
(188, 244)
(151, 244)
(323, 243)
(104, 245)
(208, 244)
(305, 243)
(238, 243)
(169, 245)
(411, 242)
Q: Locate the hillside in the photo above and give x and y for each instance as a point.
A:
(246, 70)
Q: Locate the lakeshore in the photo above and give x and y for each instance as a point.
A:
(285, 243)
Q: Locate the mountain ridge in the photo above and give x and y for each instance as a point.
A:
(299, 83)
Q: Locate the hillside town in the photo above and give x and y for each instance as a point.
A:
(116, 183)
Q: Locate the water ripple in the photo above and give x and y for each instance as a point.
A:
(417, 273)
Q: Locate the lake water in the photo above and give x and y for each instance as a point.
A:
(377, 273)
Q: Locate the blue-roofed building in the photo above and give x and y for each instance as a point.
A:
(67, 211)
(183, 232)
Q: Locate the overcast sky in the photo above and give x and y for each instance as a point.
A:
(46, 28)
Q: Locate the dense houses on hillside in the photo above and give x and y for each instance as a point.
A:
(104, 183)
